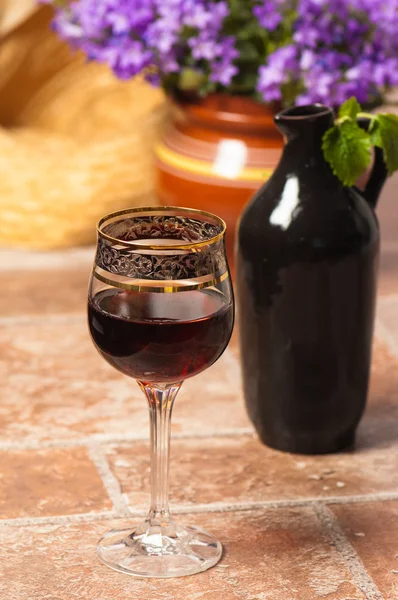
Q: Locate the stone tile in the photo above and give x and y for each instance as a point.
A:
(386, 210)
(388, 217)
(388, 275)
(41, 283)
(234, 344)
(273, 555)
(387, 312)
(241, 469)
(373, 531)
(36, 260)
(378, 429)
(49, 482)
(44, 292)
(56, 386)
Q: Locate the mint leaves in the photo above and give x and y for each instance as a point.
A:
(350, 109)
(347, 147)
(384, 134)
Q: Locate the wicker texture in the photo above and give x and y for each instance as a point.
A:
(75, 142)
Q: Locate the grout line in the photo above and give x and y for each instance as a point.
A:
(285, 503)
(119, 439)
(221, 507)
(390, 246)
(111, 484)
(33, 260)
(234, 373)
(53, 318)
(387, 299)
(239, 506)
(360, 498)
(359, 574)
(232, 361)
(59, 520)
(385, 335)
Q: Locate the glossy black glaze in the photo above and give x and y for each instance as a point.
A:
(307, 258)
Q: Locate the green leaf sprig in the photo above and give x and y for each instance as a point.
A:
(347, 147)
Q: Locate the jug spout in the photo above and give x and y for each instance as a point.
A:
(303, 128)
(308, 123)
(379, 172)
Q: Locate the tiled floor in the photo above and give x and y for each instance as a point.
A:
(74, 461)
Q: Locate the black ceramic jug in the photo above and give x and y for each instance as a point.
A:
(307, 260)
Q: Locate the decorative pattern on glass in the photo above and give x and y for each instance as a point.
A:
(163, 248)
(138, 265)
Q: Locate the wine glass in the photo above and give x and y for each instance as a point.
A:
(160, 309)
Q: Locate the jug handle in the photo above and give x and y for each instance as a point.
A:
(378, 173)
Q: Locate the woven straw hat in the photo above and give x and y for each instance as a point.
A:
(75, 143)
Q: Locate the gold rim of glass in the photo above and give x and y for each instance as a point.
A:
(173, 211)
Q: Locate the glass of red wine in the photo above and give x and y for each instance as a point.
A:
(160, 309)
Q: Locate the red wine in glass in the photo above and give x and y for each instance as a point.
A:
(160, 309)
(160, 336)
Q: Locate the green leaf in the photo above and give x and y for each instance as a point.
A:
(346, 148)
(208, 87)
(248, 52)
(240, 8)
(190, 79)
(244, 82)
(374, 131)
(249, 31)
(384, 135)
(350, 108)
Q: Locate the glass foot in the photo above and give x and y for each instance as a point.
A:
(167, 551)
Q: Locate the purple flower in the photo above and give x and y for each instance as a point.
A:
(204, 47)
(281, 65)
(197, 16)
(68, 27)
(343, 48)
(310, 50)
(269, 13)
(223, 69)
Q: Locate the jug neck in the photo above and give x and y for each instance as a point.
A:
(303, 128)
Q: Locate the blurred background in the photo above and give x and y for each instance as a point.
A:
(75, 142)
(79, 138)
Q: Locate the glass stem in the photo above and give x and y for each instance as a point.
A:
(161, 400)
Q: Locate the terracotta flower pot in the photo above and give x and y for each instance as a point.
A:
(215, 153)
